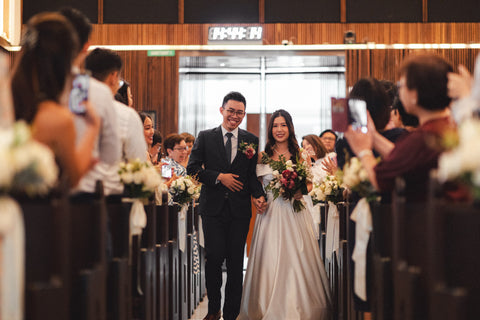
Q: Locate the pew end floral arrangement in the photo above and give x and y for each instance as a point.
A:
(184, 190)
(28, 167)
(140, 179)
(355, 178)
(329, 190)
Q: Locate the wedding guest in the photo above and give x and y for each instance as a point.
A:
(317, 151)
(41, 77)
(124, 94)
(400, 118)
(373, 93)
(176, 153)
(105, 66)
(329, 138)
(108, 147)
(189, 140)
(148, 130)
(423, 92)
(155, 147)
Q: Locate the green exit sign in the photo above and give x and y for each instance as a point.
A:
(161, 53)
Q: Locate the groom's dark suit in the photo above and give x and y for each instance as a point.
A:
(225, 214)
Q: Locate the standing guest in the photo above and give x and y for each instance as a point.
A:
(228, 182)
(373, 93)
(189, 140)
(40, 77)
(399, 118)
(105, 66)
(124, 94)
(108, 147)
(148, 131)
(423, 92)
(176, 151)
(329, 138)
(155, 147)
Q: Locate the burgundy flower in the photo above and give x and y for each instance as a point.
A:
(250, 152)
(286, 174)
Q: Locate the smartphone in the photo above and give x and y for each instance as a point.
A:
(358, 114)
(166, 171)
(349, 111)
(340, 118)
(79, 94)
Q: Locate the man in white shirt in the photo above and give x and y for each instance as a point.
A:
(108, 149)
(105, 65)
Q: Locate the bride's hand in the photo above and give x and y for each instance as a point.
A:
(298, 195)
(260, 204)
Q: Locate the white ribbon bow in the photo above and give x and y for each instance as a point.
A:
(138, 217)
(182, 227)
(363, 218)
(333, 230)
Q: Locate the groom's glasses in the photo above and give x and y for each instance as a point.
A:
(238, 113)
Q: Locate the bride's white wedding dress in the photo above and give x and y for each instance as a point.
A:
(285, 276)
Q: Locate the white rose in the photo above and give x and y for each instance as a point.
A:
(275, 173)
(289, 163)
(181, 187)
(127, 177)
(191, 190)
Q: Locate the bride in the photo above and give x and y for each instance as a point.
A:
(285, 277)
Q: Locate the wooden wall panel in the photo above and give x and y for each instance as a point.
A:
(384, 64)
(154, 82)
(302, 33)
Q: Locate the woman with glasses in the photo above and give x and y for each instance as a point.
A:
(175, 149)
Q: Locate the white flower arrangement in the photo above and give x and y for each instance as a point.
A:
(184, 190)
(140, 179)
(27, 165)
(355, 178)
(462, 161)
(328, 190)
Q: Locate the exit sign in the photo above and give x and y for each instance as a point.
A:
(161, 53)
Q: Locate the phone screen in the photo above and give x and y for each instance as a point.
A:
(166, 171)
(358, 114)
(79, 93)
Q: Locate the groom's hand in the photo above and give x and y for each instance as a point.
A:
(229, 180)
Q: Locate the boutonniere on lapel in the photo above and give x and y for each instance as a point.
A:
(247, 149)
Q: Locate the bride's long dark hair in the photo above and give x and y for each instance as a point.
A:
(293, 147)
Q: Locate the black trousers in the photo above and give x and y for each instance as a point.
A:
(224, 240)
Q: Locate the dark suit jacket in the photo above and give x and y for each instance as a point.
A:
(208, 159)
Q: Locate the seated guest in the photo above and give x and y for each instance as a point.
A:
(176, 150)
(105, 66)
(423, 92)
(189, 140)
(40, 77)
(317, 151)
(124, 94)
(374, 94)
(148, 131)
(155, 147)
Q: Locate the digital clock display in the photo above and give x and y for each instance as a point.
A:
(235, 34)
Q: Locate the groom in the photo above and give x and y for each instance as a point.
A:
(229, 180)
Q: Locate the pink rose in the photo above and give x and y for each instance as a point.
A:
(291, 184)
(249, 153)
(283, 181)
(294, 175)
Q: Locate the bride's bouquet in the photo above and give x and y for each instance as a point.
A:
(288, 178)
(140, 179)
(184, 190)
(355, 178)
(329, 190)
(27, 165)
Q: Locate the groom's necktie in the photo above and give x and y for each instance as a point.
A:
(228, 146)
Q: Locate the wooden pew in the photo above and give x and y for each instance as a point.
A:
(453, 231)
(88, 235)
(162, 261)
(173, 256)
(47, 281)
(119, 269)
